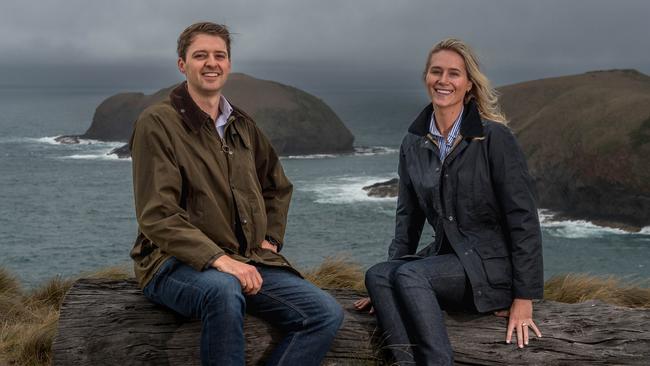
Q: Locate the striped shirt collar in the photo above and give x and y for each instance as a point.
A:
(225, 110)
(445, 146)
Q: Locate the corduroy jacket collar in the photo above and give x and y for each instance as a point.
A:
(193, 116)
(471, 125)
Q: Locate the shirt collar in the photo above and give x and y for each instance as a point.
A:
(225, 110)
(455, 129)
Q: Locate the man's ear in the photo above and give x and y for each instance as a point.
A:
(181, 65)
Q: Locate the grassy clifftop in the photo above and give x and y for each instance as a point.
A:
(587, 140)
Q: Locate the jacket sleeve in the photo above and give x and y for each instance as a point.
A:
(514, 191)
(157, 184)
(276, 187)
(409, 217)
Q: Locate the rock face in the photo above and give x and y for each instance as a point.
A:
(388, 188)
(296, 122)
(587, 141)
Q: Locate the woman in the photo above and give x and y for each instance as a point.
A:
(463, 172)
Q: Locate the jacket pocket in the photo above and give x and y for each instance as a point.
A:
(495, 258)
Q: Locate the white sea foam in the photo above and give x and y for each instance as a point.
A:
(33, 140)
(358, 151)
(104, 156)
(51, 140)
(345, 190)
(97, 156)
(575, 229)
(374, 150)
(313, 156)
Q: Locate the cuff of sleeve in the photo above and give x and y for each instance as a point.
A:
(211, 260)
(529, 294)
(272, 240)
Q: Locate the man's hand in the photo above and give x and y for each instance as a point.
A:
(267, 245)
(520, 318)
(248, 276)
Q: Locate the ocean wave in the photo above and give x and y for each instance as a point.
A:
(313, 156)
(345, 190)
(358, 151)
(51, 140)
(579, 229)
(18, 140)
(97, 156)
(374, 150)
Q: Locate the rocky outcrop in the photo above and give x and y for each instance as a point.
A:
(388, 188)
(587, 141)
(296, 122)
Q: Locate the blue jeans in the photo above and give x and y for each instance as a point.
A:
(309, 316)
(408, 297)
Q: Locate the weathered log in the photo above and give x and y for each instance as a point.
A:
(109, 322)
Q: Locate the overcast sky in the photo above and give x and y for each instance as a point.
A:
(325, 43)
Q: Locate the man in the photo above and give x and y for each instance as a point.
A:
(211, 203)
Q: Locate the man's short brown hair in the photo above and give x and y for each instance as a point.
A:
(187, 36)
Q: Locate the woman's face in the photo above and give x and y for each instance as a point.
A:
(447, 80)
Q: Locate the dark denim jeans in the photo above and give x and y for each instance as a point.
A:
(408, 296)
(309, 316)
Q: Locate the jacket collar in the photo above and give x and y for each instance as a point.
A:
(193, 116)
(471, 125)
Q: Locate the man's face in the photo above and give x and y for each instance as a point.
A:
(206, 65)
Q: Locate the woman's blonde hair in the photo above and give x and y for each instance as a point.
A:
(487, 98)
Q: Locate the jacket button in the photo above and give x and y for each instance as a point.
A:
(479, 293)
(244, 221)
(437, 169)
(446, 175)
(451, 218)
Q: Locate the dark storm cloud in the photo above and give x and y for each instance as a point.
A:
(374, 39)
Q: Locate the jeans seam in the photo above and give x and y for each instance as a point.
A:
(286, 351)
(282, 301)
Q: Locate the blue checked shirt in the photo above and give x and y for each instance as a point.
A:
(445, 146)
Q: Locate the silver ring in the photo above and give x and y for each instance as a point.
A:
(524, 324)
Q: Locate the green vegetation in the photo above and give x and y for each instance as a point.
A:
(28, 319)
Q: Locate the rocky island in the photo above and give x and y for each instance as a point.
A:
(587, 141)
(296, 122)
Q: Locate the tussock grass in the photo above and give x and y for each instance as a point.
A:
(33, 343)
(50, 294)
(8, 283)
(337, 272)
(573, 288)
(28, 320)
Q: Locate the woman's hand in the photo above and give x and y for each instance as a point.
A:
(363, 304)
(520, 317)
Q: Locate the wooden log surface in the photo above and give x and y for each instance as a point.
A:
(110, 322)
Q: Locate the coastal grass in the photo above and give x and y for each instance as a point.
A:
(28, 318)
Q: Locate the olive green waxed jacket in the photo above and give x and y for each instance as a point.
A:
(193, 188)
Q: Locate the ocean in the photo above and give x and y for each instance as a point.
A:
(68, 209)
